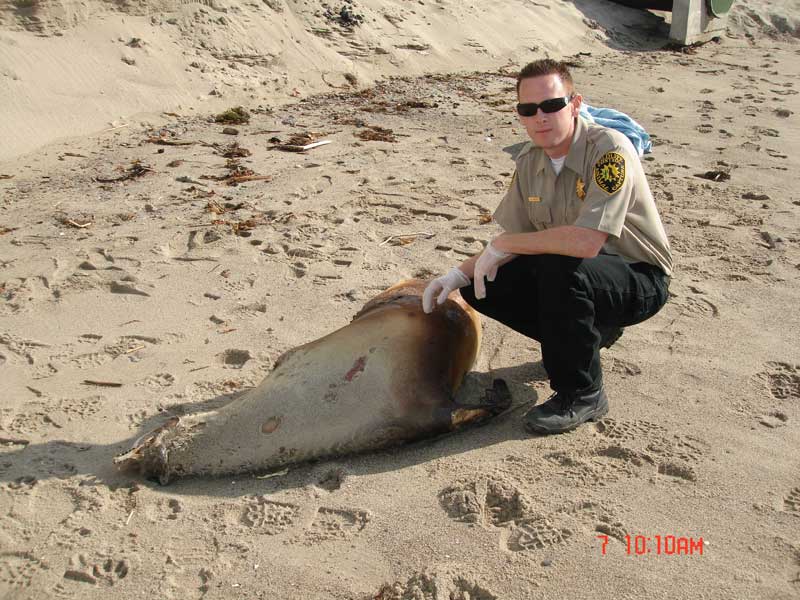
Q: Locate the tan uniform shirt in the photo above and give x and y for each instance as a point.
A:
(602, 186)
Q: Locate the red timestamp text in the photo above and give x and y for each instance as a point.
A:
(660, 545)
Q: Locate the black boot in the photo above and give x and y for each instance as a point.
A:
(565, 411)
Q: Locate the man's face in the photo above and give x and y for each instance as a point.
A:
(552, 132)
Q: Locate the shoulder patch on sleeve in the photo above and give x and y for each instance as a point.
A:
(609, 172)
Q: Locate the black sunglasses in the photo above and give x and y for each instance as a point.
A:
(548, 106)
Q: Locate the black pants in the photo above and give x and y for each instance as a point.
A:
(566, 303)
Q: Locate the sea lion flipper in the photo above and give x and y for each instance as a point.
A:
(498, 396)
(496, 399)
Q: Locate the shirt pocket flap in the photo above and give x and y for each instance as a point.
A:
(540, 213)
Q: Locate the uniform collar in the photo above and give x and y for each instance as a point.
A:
(577, 150)
(576, 154)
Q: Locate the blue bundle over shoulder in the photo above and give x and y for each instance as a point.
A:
(614, 119)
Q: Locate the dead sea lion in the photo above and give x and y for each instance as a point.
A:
(387, 377)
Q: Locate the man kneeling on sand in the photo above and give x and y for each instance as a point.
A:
(583, 253)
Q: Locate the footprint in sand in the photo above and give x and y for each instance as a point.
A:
(334, 523)
(775, 153)
(79, 408)
(559, 526)
(137, 419)
(32, 421)
(539, 533)
(791, 562)
(269, 516)
(705, 105)
(497, 502)
(625, 368)
(676, 469)
(782, 379)
(332, 480)
(596, 515)
(434, 585)
(175, 508)
(698, 306)
(89, 338)
(123, 286)
(17, 572)
(24, 294)
(254, 309)
(157, 382)
(44, 371)
(642, 444)
(791, 504)
(774, 419)
(626, 431)
(235, 359)
(103, 570)
(490, 501)
(90, 360)
(21, 348)
(579, 470)
(130, 344)
(601, 465)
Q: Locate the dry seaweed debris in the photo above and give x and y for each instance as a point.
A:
(374, 133)
(237, 115)
(299, 142)
(386, 107)
(233, 150)
(715, 175)
(166, 141)
(409, 104)
(78, 222)
(241, 227)
(237, 173)
(302, 139)
(137, 169)
(215, 207)
(406, 238)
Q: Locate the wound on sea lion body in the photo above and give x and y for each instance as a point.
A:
(271, 425)
(358, 367)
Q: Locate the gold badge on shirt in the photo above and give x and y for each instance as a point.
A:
(534, 198)
(580, 189)
(609, 172)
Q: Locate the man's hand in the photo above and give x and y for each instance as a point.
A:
(489, 261)
(452, 280)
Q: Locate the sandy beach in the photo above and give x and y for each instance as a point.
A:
(155, 262)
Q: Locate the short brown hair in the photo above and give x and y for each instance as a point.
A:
(546, 66)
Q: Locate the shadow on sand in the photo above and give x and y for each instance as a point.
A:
(626, 28)
(25, 465)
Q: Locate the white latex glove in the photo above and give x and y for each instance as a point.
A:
(486, 266)
(452, 280)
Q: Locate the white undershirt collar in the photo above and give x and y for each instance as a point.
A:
(558, 163)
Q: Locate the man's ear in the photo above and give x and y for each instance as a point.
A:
(576, 102)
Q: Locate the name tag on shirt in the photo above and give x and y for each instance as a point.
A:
(534, 198)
